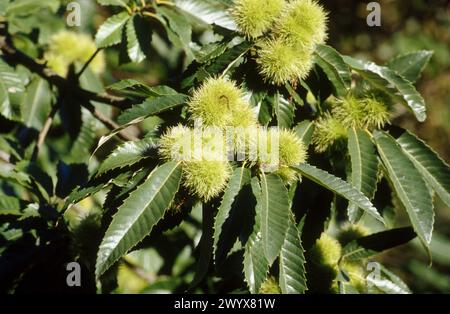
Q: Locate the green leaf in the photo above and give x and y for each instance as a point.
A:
(36, 104)
(435, 171)
(11, 92)
(152, 106)
(284, 111)
(139, 214)
(256, 266)
(265, 114)
(81, 148)
(346, 288)
(364, 168)
(127, 154)
(305, 131)
(121, 190)
(292, 277)
(373, 244)
(110, 32)
(410, 65)
(235, 51)
(85, 191)
(388, 282)
(408, 184)
(339, 187)
(134, 88)
(3, 5)
(208, 11)
(275, 209)
(40, 181)
(9, 205)
(334, 66)
(122, 3)
(240, 177)
(139, 38)
(210, 51)
(205, 245)
(28, 7)
(178, 23)
(391, 82)
(294, 95)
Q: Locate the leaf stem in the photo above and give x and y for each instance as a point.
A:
(152, 15)
(129, 10)
(164, 2)
(86, 65)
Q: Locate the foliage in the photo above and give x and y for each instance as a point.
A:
(138, 218)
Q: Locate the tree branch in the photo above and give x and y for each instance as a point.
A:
(14, 56)
(65, 87)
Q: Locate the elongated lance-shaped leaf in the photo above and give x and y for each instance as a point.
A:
(152, 106)
(391, 82)
(139, 38)
(177, 22)
(85, 191)
(29, 7)
(235, 50)
(346, 288)
(110, 32)
(275, 209)
(139, 214)
(240, 177)
(339, 187)
(205, 246)
(284, 111)
(256, 266)
(386, 281)
(9, 205)
(36, 104)
(305, 131)
(122, 3)
(294, 94)
(409, 185)
(375, 243)
(410, 65)
(11, 92)
(132, 88)
(127, 154)
(364, 168)
(209, 11)
(435, 171)
(105, 138)
(292, 277)
(334, 66)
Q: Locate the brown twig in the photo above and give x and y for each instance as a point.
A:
(43, 134)
(110, 124)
